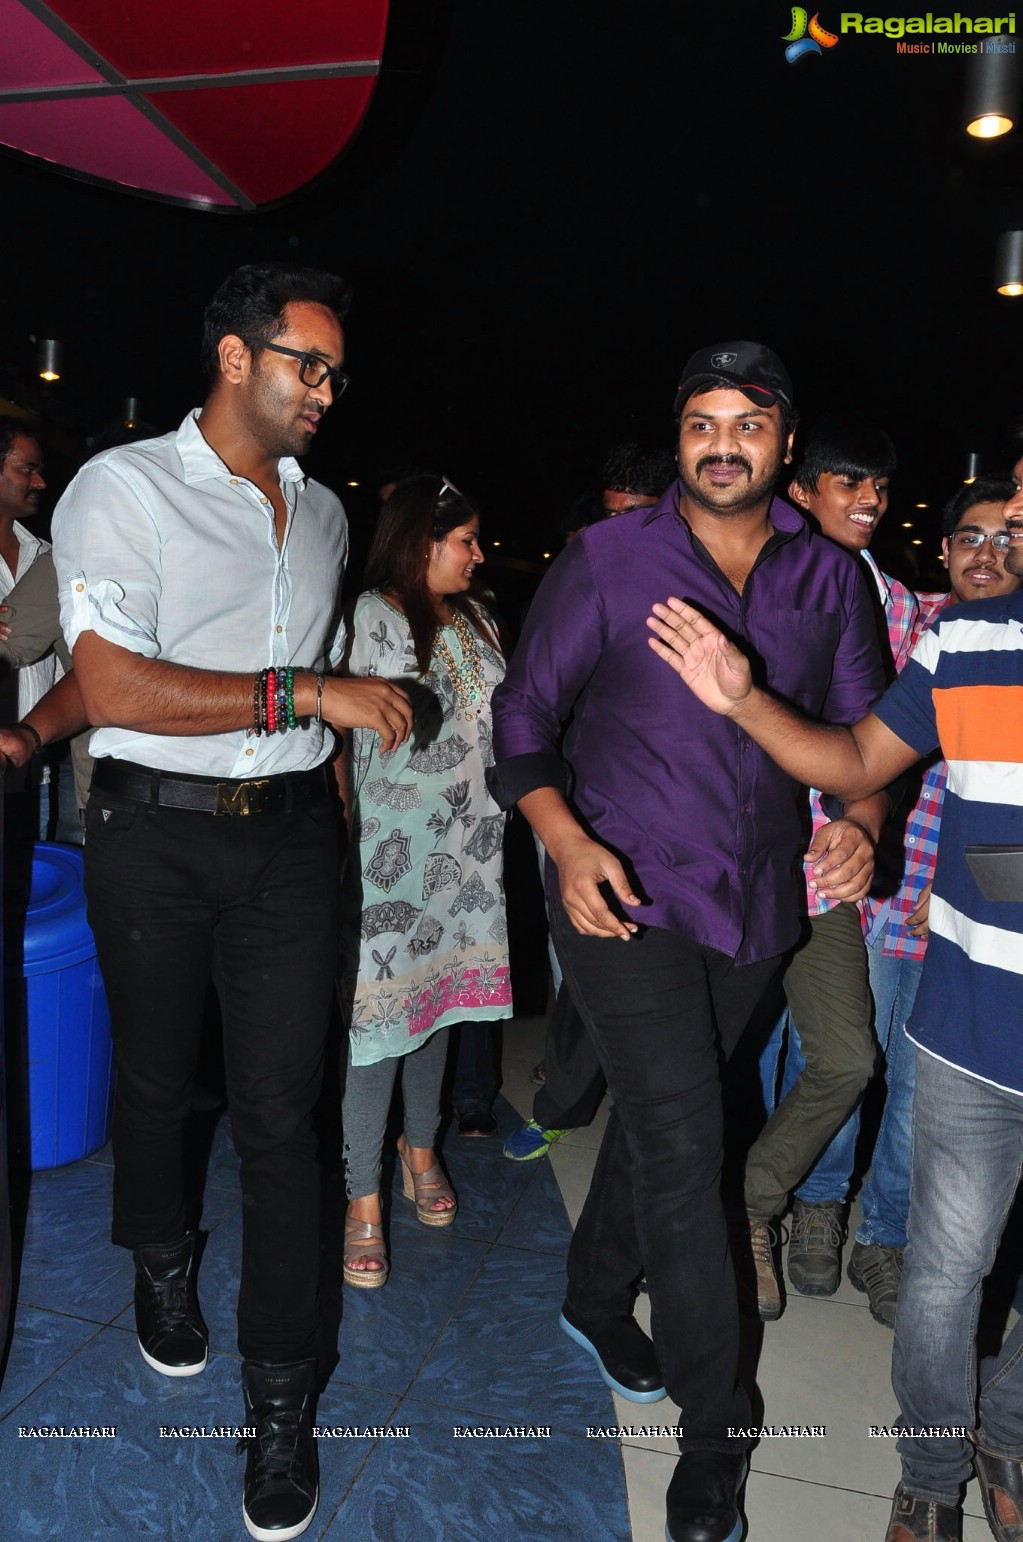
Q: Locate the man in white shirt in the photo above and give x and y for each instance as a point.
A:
(199, 578)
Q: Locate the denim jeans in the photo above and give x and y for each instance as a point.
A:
(885, 1193)
(663, 1012)
(967, 1159)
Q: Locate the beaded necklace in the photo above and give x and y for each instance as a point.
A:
(466, 677)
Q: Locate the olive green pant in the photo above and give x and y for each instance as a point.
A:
(828, 993)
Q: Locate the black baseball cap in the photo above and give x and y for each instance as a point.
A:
(751, 368)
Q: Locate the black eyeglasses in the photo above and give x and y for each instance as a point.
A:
(973, 540)
(312, 371)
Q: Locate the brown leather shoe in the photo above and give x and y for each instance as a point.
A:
(923, 1520)
(1001, 1488)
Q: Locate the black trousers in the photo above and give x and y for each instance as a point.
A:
(174, 898)
(663, 1014)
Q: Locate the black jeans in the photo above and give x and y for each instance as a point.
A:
(663, 1013)
(176, 897)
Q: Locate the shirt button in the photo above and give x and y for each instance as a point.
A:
(79, 588)
(250, 752)
(264, 501)
(234, 481)
(278, 629)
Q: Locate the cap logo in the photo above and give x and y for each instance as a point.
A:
(723, 360)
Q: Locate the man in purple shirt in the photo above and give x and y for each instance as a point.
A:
(669, 830)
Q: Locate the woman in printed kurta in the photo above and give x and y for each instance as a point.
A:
(426, 940)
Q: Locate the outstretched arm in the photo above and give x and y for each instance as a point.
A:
(849, 762)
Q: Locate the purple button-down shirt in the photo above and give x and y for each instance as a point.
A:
(712, 831)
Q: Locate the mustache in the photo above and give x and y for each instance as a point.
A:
(724, 460)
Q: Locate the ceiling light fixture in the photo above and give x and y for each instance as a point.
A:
(991, 103)
(49, 359)
(1009, 263)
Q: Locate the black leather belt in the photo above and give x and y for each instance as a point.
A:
(205, 795)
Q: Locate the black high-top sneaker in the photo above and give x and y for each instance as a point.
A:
(281, 1470)
(172, 1335)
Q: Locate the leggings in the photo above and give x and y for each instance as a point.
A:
(367, 1102)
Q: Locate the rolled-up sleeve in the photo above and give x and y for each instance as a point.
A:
(102, 526)
(559, 649)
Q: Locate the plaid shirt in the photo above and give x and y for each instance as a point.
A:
(888, 918)
(902, 613)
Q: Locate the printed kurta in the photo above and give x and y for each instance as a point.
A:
(424, 894)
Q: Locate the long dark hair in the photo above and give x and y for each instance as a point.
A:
(421, 510)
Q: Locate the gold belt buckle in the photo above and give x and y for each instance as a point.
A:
(235, 800)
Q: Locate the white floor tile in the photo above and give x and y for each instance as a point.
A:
(573, 1167)
(827, 1365)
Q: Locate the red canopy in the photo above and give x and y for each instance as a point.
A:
(225, 106)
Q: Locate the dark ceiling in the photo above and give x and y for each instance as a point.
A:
(548, 209)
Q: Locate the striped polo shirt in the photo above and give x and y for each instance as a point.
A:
(962, 691)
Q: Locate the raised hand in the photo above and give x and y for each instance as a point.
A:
(713, 668)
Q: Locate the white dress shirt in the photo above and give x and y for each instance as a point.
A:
(160, 549)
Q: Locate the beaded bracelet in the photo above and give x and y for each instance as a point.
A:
(35, 734)
(289, 699)
(273, 700)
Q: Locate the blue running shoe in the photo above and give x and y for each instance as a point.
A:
(530, 1141)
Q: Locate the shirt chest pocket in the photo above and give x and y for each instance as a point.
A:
(797, 654)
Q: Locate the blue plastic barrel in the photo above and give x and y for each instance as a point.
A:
(70, 1081)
